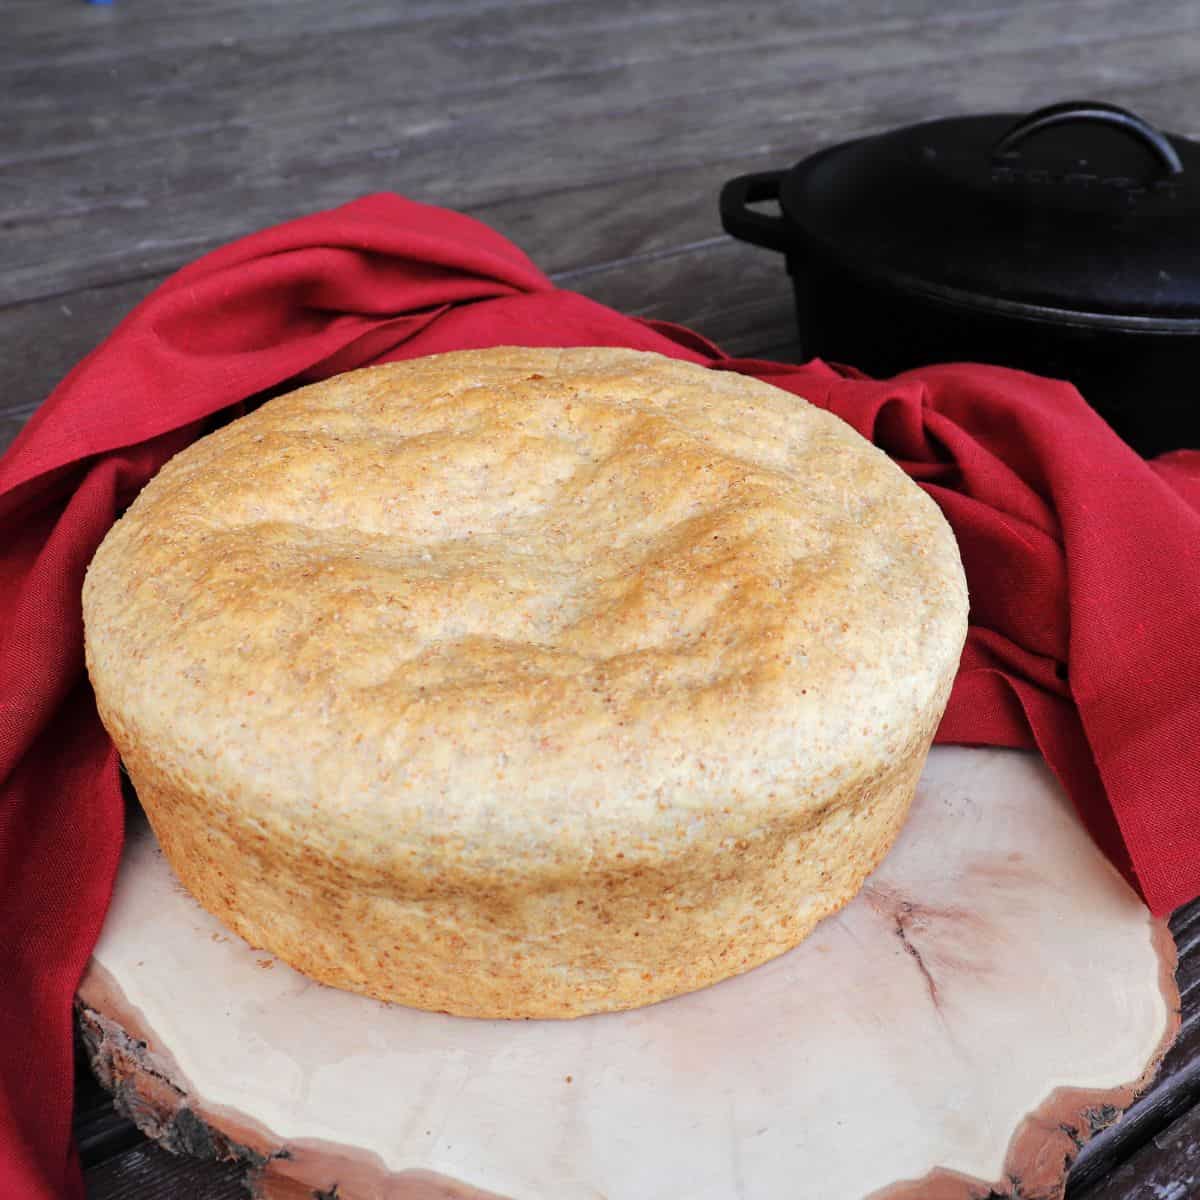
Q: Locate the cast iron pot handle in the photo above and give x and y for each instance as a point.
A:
(1091, 110)
(745, 223)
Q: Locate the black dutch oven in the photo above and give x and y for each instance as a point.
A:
(1066, 242)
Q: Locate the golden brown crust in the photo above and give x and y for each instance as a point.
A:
(526, 682)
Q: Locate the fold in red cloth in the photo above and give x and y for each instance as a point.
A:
(1083, 562)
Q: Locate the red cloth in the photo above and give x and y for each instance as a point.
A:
(1083, 561)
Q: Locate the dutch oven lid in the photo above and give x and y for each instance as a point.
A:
(1081, 210)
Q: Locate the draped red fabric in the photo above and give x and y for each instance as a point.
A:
(1083, 562)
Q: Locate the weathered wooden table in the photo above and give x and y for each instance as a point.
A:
(137, 136)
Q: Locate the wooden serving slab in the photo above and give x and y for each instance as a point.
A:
(995, 995)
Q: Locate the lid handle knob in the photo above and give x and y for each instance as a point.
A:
(1097, 112)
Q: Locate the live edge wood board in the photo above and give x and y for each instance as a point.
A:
(995, 995)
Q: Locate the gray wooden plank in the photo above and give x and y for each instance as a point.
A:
(1185, 925)
(42, 341)
(10, 426)
(581, 237)
(141, 209)
(730, 292)
(147, 1172)
(72, 32)
(1166, 1168)
(48, 36)
(301, 80)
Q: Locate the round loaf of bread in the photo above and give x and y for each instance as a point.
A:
(526, 682)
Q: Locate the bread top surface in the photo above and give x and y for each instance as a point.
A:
(564, 603)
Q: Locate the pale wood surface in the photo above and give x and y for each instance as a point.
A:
(596, 135)
(994, 958)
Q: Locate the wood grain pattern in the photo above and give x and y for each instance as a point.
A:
(138, 136)
(1165, 1168)
(306, 122)
(148, 1172)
